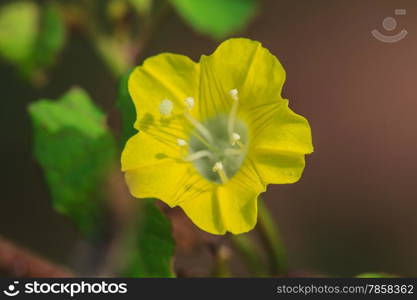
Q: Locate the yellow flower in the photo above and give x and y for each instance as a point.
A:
(213, 134)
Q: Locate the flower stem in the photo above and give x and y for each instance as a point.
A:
(120, 49)
(221, 263)
(250, 254)
(272, 240)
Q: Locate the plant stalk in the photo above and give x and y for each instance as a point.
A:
(272, 240)
(250, 254)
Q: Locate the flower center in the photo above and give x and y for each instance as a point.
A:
(220, 159)
(216, 147)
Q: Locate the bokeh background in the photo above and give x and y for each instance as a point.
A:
(353, 211)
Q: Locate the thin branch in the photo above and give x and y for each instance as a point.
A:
(19, 262)
(272, 240)
(250, 254)
(149, 25)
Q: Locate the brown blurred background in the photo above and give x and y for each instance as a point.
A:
(354, 209)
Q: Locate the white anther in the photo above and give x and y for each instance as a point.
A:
(200, 127)
(181, 142)
(189, 101)
(219, 169)
(235, 94)
(166, 106)
(218, 166)
(235, 137)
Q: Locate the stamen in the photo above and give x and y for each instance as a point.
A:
(189, 101)
(219, 161)
(198, 155)
(233, 112)
(235, 138)
(181, 142)
(217, 166)
(235, 94)
(165, 108)
(219, 169)
(200, 127)
(204, 141)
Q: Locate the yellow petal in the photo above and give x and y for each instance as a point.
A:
(244, 65)
(165, 76)
(205, 211)
(144, 150)
(230, 207)
(279, 167)
(279, 146)
(239, 207)
(154, 170)
(284, 131)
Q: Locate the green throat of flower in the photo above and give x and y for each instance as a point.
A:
(218, 160)
(216, 147)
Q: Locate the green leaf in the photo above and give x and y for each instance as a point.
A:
(30, 38)
(218, 18)
(375, 275)
(154, 245)
(127, 109)
(19, 25)
(51, 37)
(76, 151)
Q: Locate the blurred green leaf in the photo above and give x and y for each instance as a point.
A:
(30, 37)
(127, 110)
(152, 256)
(114, 52)
(375, 275)
(19, 25)
(51, 37)
(76, 151)
(218, 18)
(116, 9)
(141, 6)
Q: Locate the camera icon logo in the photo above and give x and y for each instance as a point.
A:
(390, 24)
(11, 290)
